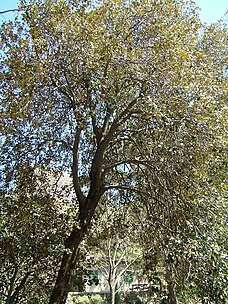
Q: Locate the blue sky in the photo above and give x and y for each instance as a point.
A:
(211, 10)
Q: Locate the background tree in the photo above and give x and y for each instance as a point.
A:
(33, 228)
(95, 80)
(113, 246)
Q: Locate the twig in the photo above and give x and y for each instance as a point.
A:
(11, 10)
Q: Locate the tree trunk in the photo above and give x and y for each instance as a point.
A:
(69, 260)
(112, 284)
(62, 284)
(87, 206)
(63, 281)
(112, 293)
(172, 299)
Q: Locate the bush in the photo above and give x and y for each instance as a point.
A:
(87, 299)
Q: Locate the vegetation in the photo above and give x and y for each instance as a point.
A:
(113, 247)
(93, 299)
(33, 228)
(128, 100)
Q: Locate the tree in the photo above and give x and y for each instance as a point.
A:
(32, 234)
(94, 80)
(112, 245)
(185, 236)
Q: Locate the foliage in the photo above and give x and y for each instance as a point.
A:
(85, 299)
(33, 228)
(111, 247)
(127, 96)
(196, 247)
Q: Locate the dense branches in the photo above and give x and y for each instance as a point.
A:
(126, 96)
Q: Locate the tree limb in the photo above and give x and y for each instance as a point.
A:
(127, 161)
(11, 10)
(124, 187)
(80, 196)
(12, 281)
(122, 117)
(96, 130)
(14, 297)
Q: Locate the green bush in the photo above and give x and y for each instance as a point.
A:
(87, 299)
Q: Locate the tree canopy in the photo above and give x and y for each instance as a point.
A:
(128, 97)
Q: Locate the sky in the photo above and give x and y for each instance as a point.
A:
(211, 10)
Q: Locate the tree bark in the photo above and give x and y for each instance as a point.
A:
(63, 281)
(87, 206)
(69, 260)
(112, 288)
(172, 298)
(61, 288)
(113, 296)
(12, 297)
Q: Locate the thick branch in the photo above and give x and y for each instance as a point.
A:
(96, 130)
(95, 173)
(70, 89)
(15, 295)
(124, 115)
(12, 281)
(106, 121)
(76, 184)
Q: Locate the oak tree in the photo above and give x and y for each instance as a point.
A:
(84, 84)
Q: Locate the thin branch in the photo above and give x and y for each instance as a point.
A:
(124, 187)
(106, 67)
(126, 268)
(120, 119)
(124, 115)
(70, 89)
(120, 260)
(11, 10)
(115, 254)
(129, 265)
(104, 271)
(110, 254)
(126, 111)
(127, 161)
(65, 93)
(44, 142)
